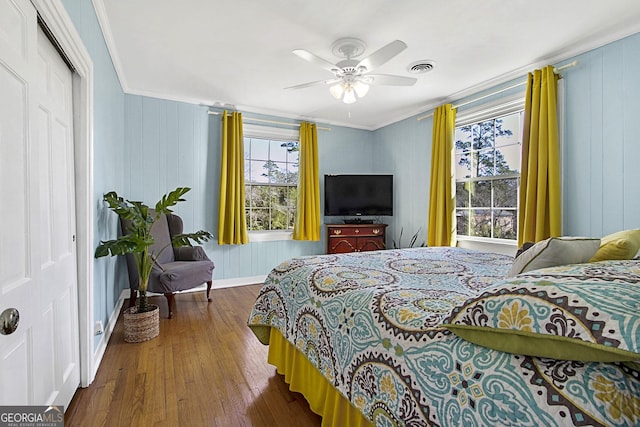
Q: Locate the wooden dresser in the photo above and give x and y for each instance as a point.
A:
(342, 238)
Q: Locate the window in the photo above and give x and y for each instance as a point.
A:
(487, 171)
(271, 180)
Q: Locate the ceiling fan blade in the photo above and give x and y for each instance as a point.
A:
(389, 80)
(314, 59)
(382, 55)
(318, 83)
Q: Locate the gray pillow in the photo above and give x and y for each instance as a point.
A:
(555, 251)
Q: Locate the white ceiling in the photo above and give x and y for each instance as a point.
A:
(237, 53)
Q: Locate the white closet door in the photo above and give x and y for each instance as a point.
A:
(38, 274)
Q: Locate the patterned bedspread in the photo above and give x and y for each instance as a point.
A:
(370, 322)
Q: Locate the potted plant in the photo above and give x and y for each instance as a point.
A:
(137, 240)
(412, 241)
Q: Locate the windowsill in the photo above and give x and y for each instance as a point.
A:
(503, 246)
(489, 240)
(270, 236)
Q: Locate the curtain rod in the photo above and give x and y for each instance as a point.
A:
(555, 70)
(272, 122)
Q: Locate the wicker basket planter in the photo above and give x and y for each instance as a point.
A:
(140, 327)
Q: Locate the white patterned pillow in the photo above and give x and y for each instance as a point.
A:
(555, 251)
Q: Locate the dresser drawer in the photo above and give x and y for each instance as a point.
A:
(342, 238)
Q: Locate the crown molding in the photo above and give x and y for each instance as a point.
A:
(105, 27)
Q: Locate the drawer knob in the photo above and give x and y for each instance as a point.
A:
(337, 231)
(357, 231)
(376, 231)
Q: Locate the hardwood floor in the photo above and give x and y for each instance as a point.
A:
(205, 369)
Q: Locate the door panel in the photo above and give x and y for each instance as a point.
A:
(15, 369)
(14, 238)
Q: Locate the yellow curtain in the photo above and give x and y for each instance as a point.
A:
(539, 216)
(307, 221)
(441, 231)
(232, 224)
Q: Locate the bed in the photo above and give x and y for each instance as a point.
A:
(374, 338)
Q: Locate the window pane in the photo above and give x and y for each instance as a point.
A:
(508, 159)
(275, 172)
(260, 196)
(463, 138)
(483, 135)
(508, 129)
(291, 196)
(258, 171)
(292, 173)
(481, 222)
(480, 194)
(505, 193)
(484, 162)
(463, 165)
(280, 196)
(293, 151)
(259, 219)
(278, 151)
(259, 149)
(462, 194)
(462, 222)
(279, 219)
(505, 224)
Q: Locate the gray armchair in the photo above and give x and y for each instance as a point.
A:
(177, 269)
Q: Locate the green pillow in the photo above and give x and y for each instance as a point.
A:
(585, 312)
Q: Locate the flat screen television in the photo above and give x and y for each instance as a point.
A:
(358, 195)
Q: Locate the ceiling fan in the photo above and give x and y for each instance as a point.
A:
(352, 76)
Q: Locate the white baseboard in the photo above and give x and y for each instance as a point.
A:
(98, 354)
(230, 283)
(239, 281)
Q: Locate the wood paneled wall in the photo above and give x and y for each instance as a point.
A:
(601, 153)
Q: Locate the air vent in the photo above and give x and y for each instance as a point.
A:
(420, 67)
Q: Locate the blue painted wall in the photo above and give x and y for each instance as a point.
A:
(602, 134)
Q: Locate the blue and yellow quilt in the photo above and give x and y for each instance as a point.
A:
(371, 323)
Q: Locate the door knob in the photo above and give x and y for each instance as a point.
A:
(9, 320)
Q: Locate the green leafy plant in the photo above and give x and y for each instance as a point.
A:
(412, 241)
(138, 239)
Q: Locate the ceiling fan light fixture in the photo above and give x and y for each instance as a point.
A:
(349, 95)
(337, 90)
(361, 88)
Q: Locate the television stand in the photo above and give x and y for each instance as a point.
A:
(344, 238)
(358, 221)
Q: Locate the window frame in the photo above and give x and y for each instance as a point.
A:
(490, 110)
(273, 134)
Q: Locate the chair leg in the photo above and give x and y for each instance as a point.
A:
(209, 283)
(132, 298)
(171, 302)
